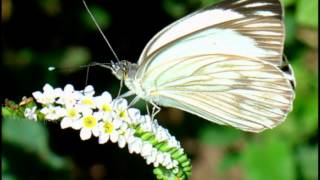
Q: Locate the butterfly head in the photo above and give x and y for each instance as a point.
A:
(120, 69)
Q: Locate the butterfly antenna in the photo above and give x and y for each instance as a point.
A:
(104, 37)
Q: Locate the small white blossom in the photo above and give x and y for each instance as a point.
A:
(126, 135)
(120, 107)
(146, 149)
(109, 129)
(159, 159)
(162, 134)
(103, 102)
(146, 123)
(48, 96)
(134, 115)
(30, 113)
(53, 112)
(86, 98)
(152, 157)
(72, 115)
(68, 96)
(88, 124)
(135, 146)
(172, 142)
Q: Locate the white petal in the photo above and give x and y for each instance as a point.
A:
(88, 90)
(98, 115)
(85, 134)
(65, 123)
(37, 95)
(114, 137)
(159, 158)
(134, 115)
(47, 88)
(57, 92)
(146, 149)
(121, 142)
(95, 131)
(77, 124)
(117, 123)
(68, 88)
(107, 97)
(103, 138)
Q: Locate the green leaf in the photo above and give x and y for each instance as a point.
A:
(228, 161)
(287, 3)
(307, 13)
(32, 137)
(268, 160)
(174, 9)
(219, 135)
(290, 24)
(308, 161)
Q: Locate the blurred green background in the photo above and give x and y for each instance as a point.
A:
(41, 33)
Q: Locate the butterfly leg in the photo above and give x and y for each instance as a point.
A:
(155, 110)
(121, 85)
(126, 94)
(134, 101)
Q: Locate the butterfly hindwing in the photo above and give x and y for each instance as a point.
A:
(248, 94)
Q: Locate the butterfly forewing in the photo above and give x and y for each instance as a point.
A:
(250, 28)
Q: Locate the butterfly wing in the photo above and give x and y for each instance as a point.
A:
(249, 94)
(222, 63)
(250, 28)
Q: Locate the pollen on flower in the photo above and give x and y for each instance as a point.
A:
(72, 113)
(89, 121)
(123, 114)
(108, 127)
(106, 108)
(87, 101)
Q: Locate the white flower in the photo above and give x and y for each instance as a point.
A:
(152, 157)
(159, 159)
(86, 98)
(172, 142)
(146, 123)
(135, 146)
(109, 129)
(103, 102)
(88, 124)
(72, 114)
(48, 96)
(134, 115)
(166, 159)
(68, 96)
(146, 149)
(125, 135)
(30, 113)
(53, 112)
(120, 106)
(162, 134)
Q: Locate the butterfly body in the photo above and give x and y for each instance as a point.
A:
(223, 63)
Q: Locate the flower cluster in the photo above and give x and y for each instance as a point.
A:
(111, 120)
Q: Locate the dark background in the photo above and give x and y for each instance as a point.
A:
(41, 33)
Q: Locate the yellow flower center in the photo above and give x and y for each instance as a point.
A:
(108, 127)
(72, 113)
(89, 121)
(87, 101)
(123, 115)
(106, 108)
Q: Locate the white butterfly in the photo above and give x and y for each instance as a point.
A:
(223, 63)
